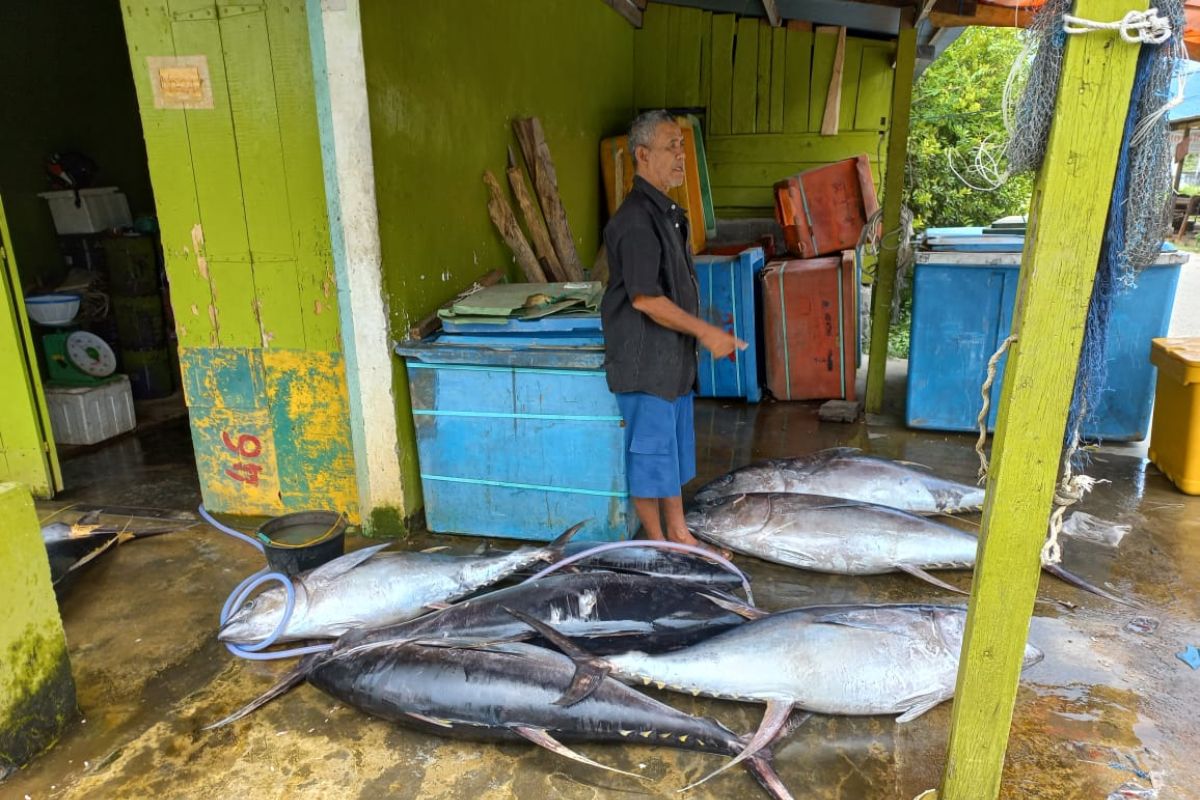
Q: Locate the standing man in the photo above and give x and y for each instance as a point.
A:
(651, 328)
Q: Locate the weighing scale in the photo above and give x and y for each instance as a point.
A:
(78, 358)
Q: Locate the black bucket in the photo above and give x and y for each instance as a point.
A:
(304, 540)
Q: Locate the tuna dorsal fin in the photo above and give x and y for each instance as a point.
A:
(543, 739)
(772, 723)
(340, 566)
(436, 549)
(590, 671)
(914, 464)
(737, 606)
(293, 678)
(917, 572)
(558, 544)
(1075, 580)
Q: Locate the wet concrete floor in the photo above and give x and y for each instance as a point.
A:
(1107, 706)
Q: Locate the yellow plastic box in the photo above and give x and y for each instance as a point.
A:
(1175, 436)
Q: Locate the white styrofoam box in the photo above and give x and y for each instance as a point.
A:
(90, 414)
(99, 209)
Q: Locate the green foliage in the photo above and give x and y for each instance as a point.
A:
(956, 106)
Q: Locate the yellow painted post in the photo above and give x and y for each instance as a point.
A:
(893, 198)
(1066, 225)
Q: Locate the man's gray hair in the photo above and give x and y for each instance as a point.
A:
(641, 132)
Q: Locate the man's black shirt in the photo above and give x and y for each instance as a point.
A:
(648, 254)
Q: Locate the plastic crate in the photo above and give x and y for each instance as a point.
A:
(727, 299)
(963, 302)
(98, 210)
(1175, 438)
(90, 414)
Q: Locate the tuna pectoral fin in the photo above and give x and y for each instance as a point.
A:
(543, 739)
(590, 671)
(917, 572)
(556, 547)
(772, 723)
(735, 605)
(1075, 580)
(923, 704)
(286, 683)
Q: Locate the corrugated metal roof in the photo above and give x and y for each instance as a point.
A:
(1189, 109)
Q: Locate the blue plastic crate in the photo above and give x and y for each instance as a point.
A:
(963, 305)
(520, 439)
(727, 299)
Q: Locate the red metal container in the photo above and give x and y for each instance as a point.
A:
(810, 327)
(824, 210)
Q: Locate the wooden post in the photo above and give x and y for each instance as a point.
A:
(545, 182)
(510, 230)
(833, 100)
(1066, 225)
(533, 221)
(893, 199)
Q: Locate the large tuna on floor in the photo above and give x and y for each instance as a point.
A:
(368, 588)
(850, 473)
(506, 693)
(614, 612)
(851, 659)
(844, 537)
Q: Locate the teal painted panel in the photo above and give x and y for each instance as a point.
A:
(225, 377)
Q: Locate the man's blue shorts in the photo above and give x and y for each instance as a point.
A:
(660, 443)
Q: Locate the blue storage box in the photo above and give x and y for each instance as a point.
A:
(727, 299)
(518, 437)
(963, 300)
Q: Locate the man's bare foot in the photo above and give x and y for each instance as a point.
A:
(685, 537)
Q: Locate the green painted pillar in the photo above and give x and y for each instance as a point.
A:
(37, 692)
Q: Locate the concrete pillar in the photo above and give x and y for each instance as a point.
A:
(37, 692)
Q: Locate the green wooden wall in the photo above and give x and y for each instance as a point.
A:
(241, 205)
(764, 90)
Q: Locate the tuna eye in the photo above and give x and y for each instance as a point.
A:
(249, 605)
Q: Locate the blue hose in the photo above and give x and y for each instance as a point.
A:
(242, 592)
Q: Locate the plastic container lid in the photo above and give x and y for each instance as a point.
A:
(1179, 357)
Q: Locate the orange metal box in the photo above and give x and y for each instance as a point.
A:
(810, 327)
(824, 210)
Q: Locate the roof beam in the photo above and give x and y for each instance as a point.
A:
(955, 14)
(772, 13)
(629, 9)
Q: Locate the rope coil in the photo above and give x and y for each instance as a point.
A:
(986, 391)
(1136, 27)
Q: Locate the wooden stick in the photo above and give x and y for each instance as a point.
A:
(433, 323)
(629, 9)
(833, 102)
(772, 10)
(533, 222)
(506, 222)
(545, 182)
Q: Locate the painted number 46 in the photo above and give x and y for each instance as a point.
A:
(248, 447)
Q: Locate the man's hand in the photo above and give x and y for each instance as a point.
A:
(719, 342)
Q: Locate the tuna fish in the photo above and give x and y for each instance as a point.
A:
(658, 563)
(851, 659)
(506, 693)
(72, 547)
(615, 612)
(848, 472)
(368, 588)
(844, 537)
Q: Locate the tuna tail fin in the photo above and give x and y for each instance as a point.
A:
(590, 671)
(760, 767)
(1075, 580)
(772, 724)
(286, 683)
(556, 547)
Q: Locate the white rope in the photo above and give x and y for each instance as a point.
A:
(1071, 490)
(1136, 27)
(1145, 126)
(986, 391)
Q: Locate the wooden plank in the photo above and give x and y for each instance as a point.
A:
(745, 76)
(833, 100)
(545, 184)
(252, 103)
(851, 75)
(534, 223)
(743, 196)
(1066, 226)
(873, 108)
(628, 9)
(730, 174)
(772, 148)
(685, 89)
(506, 223)
(824, 48)
(797, 76)
(705, 60)
(772, 10)
(650, 58)
(291, 62)
(799, 25)
(762, 111)
(952, 14)
(778, 75)
(885, 270)
(720, 104)
(168, 155)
